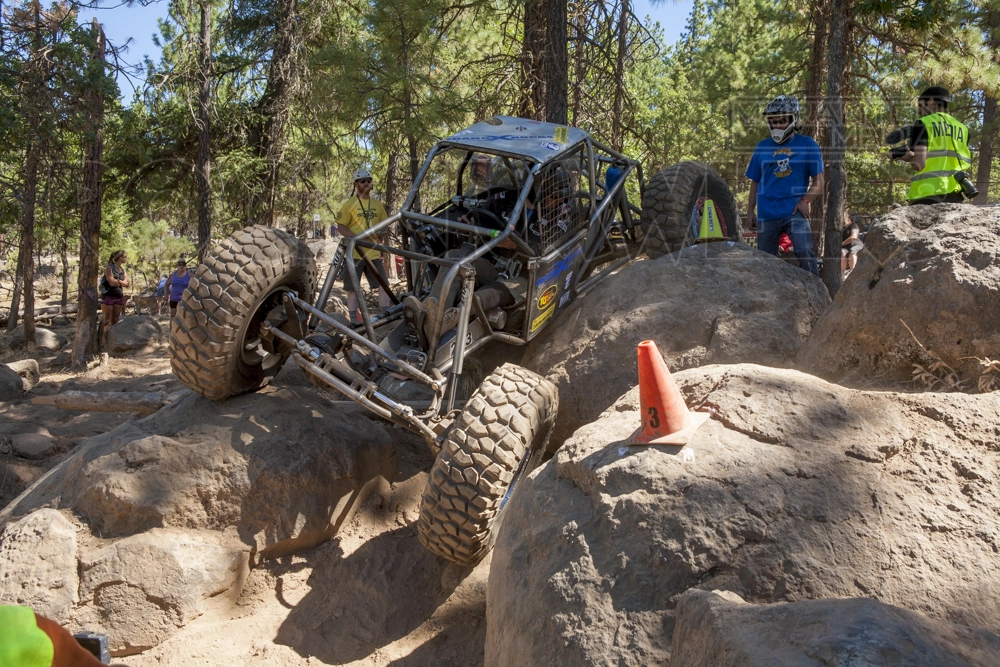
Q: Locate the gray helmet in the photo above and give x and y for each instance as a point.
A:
(783, 105)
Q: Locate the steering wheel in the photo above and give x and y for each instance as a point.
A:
(490, 215)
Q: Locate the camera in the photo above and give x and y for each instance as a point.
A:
(95, 643)
(969, 188)
(897, 136)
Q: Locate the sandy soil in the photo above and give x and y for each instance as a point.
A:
(371, 596)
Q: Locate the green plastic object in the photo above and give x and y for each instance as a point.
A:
(22, 642)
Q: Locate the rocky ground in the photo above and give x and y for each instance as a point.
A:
(805, 523)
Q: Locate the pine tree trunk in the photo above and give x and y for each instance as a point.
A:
(533, 60)
(15, 297)
(837, 72)
(29, 195)
(275, 110)
(64, 260)
(204, 133)
(86, 340)
(556, 64)
(814, 107)
(616, 115)
(987, 141)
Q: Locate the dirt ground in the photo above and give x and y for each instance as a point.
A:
(371, 596)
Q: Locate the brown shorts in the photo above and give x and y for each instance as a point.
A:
(113, 300)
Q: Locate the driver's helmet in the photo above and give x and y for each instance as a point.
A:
(554, 189)
(783, 105)
(479, 170)
(556, 183)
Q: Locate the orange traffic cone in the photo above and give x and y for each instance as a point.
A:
(665, 417)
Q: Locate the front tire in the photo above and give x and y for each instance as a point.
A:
(670, 199)
(215, 348)
(499, 437)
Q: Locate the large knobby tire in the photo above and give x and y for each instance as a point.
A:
(669, 201)
(499, 437)
(214, 346)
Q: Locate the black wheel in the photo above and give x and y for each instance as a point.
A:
(670, 200)
(499, 437)
(215, 347)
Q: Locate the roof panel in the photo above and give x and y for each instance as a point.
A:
(528, 138)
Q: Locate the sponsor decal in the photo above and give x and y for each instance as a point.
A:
(551, 145)
(563, 299)
(520, 128)
(561, 134)
(496, 120)
(561, 266)
(547, 297)
(540, 320)
(502, 137)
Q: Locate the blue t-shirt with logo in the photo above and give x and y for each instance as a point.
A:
(783, 172)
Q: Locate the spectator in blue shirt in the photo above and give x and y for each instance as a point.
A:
(786, 174)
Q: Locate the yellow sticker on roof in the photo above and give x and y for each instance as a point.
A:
(561, 134)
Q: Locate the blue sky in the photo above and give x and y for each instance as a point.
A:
(139, 24)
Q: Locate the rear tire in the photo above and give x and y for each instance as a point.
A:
(212, 337)
(669, 201)
(499, 437)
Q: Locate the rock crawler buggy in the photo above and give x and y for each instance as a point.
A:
(507, 222)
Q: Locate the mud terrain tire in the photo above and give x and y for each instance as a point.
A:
(669, 200)
(228, 297)
(499, 437)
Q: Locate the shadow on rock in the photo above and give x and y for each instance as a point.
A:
(460, 644)
(368, 599)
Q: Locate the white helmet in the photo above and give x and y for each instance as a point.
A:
(783, 105)
(362, 173)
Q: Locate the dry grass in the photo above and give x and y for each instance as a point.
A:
(936, 375)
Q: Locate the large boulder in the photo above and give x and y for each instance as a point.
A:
(134, 333)
(936, 268)
(38, 566)
(11, 384)
(285, 467)
(28, 370)
(712, 303)
(142, 589)
(45, 339)
(719, 629)
(795, 489)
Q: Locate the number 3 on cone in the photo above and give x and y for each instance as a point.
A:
(654, 418)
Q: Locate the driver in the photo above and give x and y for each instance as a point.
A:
(479, 175)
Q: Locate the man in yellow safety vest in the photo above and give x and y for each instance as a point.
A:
(938, 150)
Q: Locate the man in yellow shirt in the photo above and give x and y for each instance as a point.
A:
(358, 213)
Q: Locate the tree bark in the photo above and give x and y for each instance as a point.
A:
(984, 170)
(145, 403)
(15, 298)
(64, 260)
(204, 133)
(814, 106)
(986, 143)
(86, 340)
(616, 116)
(836, 169)
(556, 64)
(533, 60)
(275, 110)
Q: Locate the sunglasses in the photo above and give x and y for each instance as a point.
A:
(363, 180)
(778, 120)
